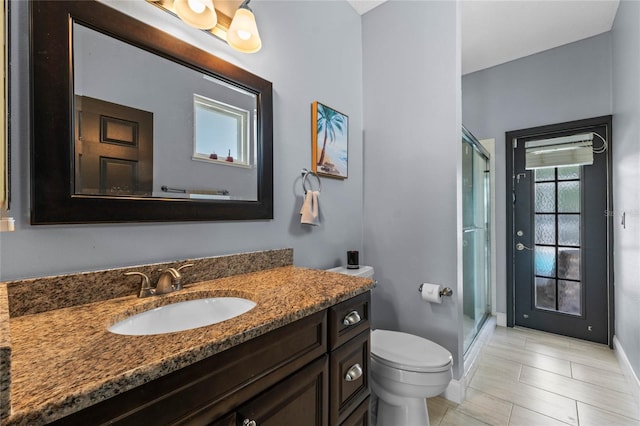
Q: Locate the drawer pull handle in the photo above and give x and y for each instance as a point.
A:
(352, 318)
(248, 422)
(354, 373)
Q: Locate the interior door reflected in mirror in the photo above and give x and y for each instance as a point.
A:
(156, 128)
(141, 126)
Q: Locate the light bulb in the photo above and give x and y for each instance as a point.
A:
(197, 13)
(245, 35)
(196, 5)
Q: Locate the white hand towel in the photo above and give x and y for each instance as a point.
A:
(309, 210)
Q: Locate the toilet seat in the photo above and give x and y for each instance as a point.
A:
(408, 352)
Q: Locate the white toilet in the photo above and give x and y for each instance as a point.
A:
(405, 370)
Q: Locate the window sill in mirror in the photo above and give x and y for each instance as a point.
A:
(224, 162)
(7, 224)
(195, 196)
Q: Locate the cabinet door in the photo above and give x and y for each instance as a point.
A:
(359, 416)
(349, 377)
(301, 399)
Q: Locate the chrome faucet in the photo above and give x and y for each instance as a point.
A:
(169, 280)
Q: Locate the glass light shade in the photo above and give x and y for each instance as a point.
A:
(243, 32)
(197, 13)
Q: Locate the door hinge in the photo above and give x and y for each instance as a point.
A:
(515, 143)
(609, 213)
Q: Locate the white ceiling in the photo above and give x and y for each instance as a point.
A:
(495, 32)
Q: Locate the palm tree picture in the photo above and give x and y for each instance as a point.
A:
(330, 141)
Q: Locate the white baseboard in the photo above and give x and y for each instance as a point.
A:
(501, 319)
(471, 356)
(455, 392)
(631, 376)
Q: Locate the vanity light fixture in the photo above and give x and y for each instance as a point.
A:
(243, 31)
(197, 13)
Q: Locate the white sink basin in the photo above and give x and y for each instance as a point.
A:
(183, 316)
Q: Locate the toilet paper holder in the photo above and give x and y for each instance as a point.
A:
(444, 292)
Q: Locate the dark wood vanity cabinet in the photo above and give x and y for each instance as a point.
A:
(310, 372)
(349, 357)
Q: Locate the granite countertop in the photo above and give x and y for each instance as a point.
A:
(64, 360)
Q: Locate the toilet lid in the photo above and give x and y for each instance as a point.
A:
(408, 352)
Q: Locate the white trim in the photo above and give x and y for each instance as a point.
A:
(457, 389)
(490, 146)
(472, 354)
(455, 392)
(501, 319)
(625, 365)
(222, 162)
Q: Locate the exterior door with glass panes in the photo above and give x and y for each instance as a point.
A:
(561, 230)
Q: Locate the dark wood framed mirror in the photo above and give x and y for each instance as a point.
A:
(60, 163)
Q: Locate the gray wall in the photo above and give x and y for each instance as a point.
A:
(303, 67)
(411, 78)
(626, 177)
(567, 83)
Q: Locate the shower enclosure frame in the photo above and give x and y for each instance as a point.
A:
(481, 247)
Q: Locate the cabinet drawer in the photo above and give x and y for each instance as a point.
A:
(349, 384)
(348, 319)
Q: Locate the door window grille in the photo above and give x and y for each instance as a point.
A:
(558, 285)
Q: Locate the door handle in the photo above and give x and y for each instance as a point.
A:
(521, 247)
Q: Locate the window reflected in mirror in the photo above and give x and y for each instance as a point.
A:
(223, 133)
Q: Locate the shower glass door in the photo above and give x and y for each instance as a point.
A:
(476, 237)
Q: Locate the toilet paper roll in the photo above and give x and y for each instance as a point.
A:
(431, 292)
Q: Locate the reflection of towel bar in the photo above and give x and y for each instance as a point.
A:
(305, 176)
(165, 188)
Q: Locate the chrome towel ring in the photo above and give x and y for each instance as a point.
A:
(305, 181)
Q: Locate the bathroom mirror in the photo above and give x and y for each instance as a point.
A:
(131, 124)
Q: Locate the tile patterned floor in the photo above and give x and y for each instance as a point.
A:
(530, 378)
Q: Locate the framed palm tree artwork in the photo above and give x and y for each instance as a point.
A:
(330, 141)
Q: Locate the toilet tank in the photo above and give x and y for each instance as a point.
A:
(362, 271)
